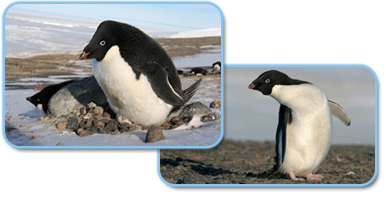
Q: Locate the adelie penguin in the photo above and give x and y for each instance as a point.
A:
(303, 135)
(42, 98)
(136, 74)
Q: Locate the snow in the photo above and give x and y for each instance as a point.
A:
(198, 33)
(25, 126)
(44, 30)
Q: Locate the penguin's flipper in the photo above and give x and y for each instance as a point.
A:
(159, 81)
(285, 119)
(340, 113)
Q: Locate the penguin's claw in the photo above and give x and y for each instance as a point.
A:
(293, 176)
(314, 177)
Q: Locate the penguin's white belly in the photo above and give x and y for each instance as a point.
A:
(129, 97)
(308, 137)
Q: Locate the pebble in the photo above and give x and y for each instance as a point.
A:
(82, 132)
(72, 123)
(61, 123)
(98, 123)
(83, 111)
(98, 111)
(154, 134)
(112, 125)
(94, 119)
(215, 104)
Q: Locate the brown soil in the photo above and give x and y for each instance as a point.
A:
(44, 65)
(239, 162)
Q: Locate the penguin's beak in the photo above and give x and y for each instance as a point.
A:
(28, 98)
(84, 55)
(251, 86)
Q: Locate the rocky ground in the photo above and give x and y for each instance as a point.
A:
(238, 162)
(44, 65)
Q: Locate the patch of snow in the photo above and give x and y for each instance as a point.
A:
(198, 33)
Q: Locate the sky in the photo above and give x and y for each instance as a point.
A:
(171, 17)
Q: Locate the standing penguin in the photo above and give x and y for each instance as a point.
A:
(303, 135)
(136, 74)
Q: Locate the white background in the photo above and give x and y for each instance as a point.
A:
(255, 32)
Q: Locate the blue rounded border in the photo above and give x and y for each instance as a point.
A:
(296, 185)
(116, 147)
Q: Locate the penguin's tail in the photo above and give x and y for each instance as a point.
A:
(190, 91)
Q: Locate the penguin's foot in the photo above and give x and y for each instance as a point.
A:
(293, 177)
(314, 177)
(122, 119)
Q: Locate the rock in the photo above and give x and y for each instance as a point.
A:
(166, 125)
(85, 123)
(72, 123)
(88, 116)
(209, 117)
(82, 132)
(75, 96)
(177, 121)
(98, 123)
(215, 104)
(196, 108)
(112, 125)
(106, 115)
(124, 127)
(91, 105)
(83, 111)
(135, 127)
(98, 111)
(61, 123)
(154, 134)
(103, 130)
(114, 132)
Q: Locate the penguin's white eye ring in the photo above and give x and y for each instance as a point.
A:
(267, 81)
(102, 43)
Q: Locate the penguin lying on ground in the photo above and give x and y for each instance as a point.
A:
(198, 71)
(136, 74)
(303, 135)
(216, 66)
(41, 99)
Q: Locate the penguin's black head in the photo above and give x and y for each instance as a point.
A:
(35, 99)
(266, 81)
(106, 36)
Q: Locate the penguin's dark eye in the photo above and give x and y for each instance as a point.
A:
(102, 43)
(38, 100)
(267, 80)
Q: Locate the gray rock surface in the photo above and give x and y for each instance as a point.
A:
(75, 96)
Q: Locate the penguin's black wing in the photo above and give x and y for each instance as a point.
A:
(159, 80)
(284, 120)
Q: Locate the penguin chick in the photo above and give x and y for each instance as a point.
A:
(136, 74)
(303, 135)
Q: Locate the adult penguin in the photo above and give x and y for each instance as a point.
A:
(136, 74)
(303, 135)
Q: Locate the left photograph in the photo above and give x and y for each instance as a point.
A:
(112, 75)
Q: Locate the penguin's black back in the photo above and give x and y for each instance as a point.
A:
(138, 50)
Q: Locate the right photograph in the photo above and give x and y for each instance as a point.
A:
(288, 124)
